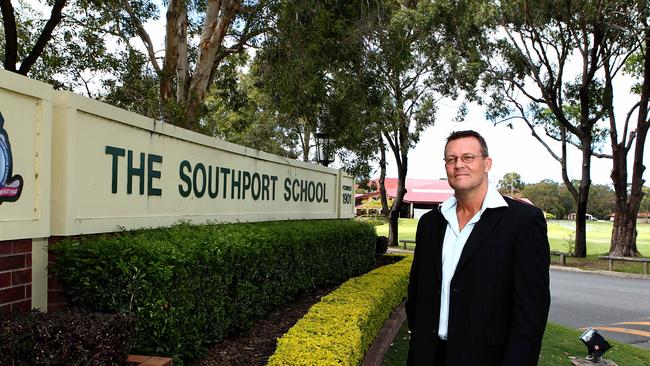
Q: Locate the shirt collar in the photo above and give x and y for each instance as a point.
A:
(493, 199)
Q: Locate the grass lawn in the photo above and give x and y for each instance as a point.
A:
(560, 232)
(559, 343)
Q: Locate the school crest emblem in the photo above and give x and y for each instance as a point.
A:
(10, 185)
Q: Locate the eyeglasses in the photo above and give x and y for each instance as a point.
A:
(465, 158)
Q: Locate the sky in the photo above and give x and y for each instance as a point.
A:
(512, 150)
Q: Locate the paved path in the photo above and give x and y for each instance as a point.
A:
(619, 306)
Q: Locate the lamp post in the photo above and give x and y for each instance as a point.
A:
(324, 148)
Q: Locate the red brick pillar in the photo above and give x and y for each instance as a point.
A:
(56, 299)
(15, 275)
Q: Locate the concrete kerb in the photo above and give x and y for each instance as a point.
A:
(398, 250)
(602, 272)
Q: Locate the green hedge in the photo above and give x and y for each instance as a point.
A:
(188, 286)
(342, 326)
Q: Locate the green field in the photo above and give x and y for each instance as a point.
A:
(560, 232)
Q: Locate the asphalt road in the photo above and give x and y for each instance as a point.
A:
(619, 307)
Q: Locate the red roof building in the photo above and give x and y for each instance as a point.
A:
(421, 194)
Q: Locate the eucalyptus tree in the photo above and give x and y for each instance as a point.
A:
(198, 37)
(243, 114)
(419, 52)
(511, 183)
(554, 69)
(309, 66)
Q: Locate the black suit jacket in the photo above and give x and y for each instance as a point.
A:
(499, 294)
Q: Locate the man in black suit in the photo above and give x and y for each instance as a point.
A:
(479, 285)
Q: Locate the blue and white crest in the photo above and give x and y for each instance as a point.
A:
(10, 185)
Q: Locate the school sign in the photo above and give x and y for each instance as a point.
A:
(70, 165)
(113, 168)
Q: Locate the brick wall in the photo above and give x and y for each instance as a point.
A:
(55, 297)
(15, 275)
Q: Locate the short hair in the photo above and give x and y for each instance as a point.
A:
(468, 133)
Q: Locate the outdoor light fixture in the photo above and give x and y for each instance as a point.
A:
(324, 148)
(596, 344)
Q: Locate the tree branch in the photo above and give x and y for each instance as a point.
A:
(11, 35)
(43, 38)
(142, 33)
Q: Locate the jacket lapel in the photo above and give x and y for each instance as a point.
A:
(481, 231)
(438, 236)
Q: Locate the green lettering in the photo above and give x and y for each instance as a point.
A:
(256, 193)
(246, 183)
(264, 187)
(311, 191)
(215, 193)
(225, 172)
(153, 174)
(287, 189)
(273, 179)
(199, 192)
(235, 183)
(185, 165)
(133, 171)
(115, 152)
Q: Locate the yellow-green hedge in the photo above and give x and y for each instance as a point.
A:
(341, 327)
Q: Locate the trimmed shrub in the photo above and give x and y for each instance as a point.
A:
(342, 326)
(65, 338)
(188, 286)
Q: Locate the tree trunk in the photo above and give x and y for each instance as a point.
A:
(174, 12)
(218, 16)
(182, 67)
(399, 145)
(623, 239)
(306, 137)
(624, 232)
(393, 225)
(580, 250)
(623, 235)
(382, 179)
(393, 218)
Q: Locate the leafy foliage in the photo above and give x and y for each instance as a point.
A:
(65, 338)
(511, 183)
(243, 114)
(191, 285)
(310, 68)
(340, 328)
(551, 197)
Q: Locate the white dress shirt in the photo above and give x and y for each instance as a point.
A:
(453, 244)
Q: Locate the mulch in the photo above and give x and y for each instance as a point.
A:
(256, 347)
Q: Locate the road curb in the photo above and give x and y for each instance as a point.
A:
(602, 272)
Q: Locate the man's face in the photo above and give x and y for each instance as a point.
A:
(466, 177)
